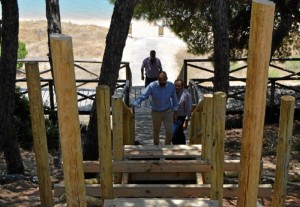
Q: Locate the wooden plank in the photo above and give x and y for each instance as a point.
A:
(159, 151)
(161, 166)
(104, 140)
(69, 127)
(170, 202)
(283, 149)
(165, 190)
(165, 176)
(207, 124)
(217, 146)
(260, 42)
(117, 116)
(39, 133)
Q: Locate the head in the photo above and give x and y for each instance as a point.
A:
(152, 54)
(162, 78)
(178, 85)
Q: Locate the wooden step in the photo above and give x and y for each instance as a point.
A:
(149, 166)
(164, 190)
(171, 202)
(162, 151)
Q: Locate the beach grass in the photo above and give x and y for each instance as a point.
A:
(88, 40)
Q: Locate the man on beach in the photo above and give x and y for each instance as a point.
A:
(184, 112)
(164, 105)
(152, 66)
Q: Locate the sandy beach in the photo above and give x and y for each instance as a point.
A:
(88, 39)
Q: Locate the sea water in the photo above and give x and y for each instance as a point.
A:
(69, 9)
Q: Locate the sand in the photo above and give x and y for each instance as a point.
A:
(88, 39)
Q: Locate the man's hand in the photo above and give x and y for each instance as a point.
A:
(185, 124)
(175, 117)
(131, 108)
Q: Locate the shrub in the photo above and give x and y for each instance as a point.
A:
(23, 124)
(22, 52)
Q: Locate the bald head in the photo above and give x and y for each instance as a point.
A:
(162, 78)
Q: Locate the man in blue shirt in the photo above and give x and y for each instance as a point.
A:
(164, 105)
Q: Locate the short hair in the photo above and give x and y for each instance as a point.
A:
(179, 79)
(161, 71)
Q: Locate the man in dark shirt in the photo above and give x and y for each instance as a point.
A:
(152, 66)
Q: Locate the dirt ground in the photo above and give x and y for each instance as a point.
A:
(21, 191)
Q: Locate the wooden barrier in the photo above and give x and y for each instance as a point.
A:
(39, 133)
(283, 149)
(69, 129)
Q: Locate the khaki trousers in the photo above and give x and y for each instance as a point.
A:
(165, 117)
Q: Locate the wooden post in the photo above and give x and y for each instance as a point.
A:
(160, 30)
(283, 149)
(39, 133)
(195, 129)
(217, 147)
(261, 27)
(117, 116)
(69, 129)
(126, 128)
(132, 128)
(207, 131)
(104, 140)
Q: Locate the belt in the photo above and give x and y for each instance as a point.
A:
(162, 110)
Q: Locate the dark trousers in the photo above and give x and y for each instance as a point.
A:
(149, 80)
(178, 134)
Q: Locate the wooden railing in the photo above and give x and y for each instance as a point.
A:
(285, 84)
(89, 72)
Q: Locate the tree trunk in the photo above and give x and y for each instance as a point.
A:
(54, 26)
(8, 63)
(221, 45)
(115, 43)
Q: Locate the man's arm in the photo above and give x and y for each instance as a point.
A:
(159, 64)
(142, 69)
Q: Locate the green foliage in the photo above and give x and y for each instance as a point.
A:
(192, 22)
(22, 52)
(22, 120)
(23, 124)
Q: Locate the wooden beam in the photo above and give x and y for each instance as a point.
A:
(69, 128)
(167, 202)
(283, 149)
(165, 190)
(104, 140)
(39, 133)
(161, 166)
(217, 146)
(160, 151)
(207, 139)
(117, 116)
(261, 27)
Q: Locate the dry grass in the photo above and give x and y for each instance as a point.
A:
(88, 40)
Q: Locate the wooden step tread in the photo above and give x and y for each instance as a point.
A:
(168, 202)
(164, 190)
(148, 166)
(162, 151)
